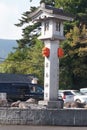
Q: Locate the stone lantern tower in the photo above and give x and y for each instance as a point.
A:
(51, 34)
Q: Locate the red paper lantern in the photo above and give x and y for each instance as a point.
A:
(46, 52)
(60, 52)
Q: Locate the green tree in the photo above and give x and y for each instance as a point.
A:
(27, 38)
(27, 57)
(77, 8)
(73, 65)
(27, 60)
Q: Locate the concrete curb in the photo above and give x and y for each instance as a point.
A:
(52, 117)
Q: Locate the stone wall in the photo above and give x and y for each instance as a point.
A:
(62, 117)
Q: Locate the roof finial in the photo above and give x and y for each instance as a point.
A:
(42, 4)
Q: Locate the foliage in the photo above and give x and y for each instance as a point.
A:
(74, 64)
(27, 57)
(78, 10)
(26, 61)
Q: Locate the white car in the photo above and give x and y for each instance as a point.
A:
(73, 95)
(83, 90)
(66, 95)
(79, 97)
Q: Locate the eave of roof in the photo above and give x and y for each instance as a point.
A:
(50, 10)
(15, 78)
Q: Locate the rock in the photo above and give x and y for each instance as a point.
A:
(67, 105)
(32, 101)
(23, 105)
(3, 103)
(74, 105)
(77, 105)
(15, 104)
(85, 106)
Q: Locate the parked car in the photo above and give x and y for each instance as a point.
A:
(66, 95)
(79, 97)
(25, 92)
(73, 95)
(83, 90)
(36, 92)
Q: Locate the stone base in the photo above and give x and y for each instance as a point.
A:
(43, 117)
(52, 104)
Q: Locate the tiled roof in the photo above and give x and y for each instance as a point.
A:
(15, 78)
(50, 10)
(58, 11)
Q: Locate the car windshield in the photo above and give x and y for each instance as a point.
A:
(68, 93)
(77, 92)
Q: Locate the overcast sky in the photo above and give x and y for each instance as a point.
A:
(10, 12)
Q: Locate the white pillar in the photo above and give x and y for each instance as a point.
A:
(51, 74)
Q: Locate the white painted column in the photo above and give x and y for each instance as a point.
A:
(51, 74)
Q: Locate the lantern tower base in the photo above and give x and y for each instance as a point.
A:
(52, 104)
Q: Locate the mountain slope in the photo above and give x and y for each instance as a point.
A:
(6, 46)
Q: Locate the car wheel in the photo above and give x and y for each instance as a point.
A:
(78, 100)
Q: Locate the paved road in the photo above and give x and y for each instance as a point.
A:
(20, 127)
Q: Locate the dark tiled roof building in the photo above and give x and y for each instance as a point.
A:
(15, 78)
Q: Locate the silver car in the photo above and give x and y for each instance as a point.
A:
(83, 90)
(73, 95)
(66, 95)
(79, 97)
